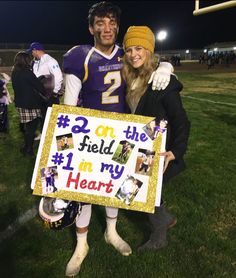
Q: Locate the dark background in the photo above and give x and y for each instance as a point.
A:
(65, 22)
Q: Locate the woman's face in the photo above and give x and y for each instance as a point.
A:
(136, 56)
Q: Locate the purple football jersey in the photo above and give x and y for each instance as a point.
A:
(102, 85)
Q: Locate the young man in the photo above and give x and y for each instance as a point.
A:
(93, 80)
(47, 69)
(44, 65)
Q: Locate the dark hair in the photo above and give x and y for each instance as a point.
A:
(22, 60)
(104, 9)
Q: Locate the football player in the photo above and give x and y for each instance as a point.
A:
(93, 80)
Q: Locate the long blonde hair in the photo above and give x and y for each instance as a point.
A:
(140, 75)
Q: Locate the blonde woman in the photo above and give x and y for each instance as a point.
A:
(139, 65)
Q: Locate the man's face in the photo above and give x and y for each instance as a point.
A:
(35, 53)
(104, 30)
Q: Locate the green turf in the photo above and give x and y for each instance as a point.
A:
(202, 244)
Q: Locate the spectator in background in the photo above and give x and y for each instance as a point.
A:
(5, 100)
(210, 62)
(28, 97)
(47, 69)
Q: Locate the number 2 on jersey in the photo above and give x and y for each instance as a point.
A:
(114, 79)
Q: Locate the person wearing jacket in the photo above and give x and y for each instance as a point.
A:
(139, 63)
(48, 71)
(5, 100)
(28, 98)
(45, 65)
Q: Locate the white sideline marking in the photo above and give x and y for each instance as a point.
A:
(211, 101)
(11, 229)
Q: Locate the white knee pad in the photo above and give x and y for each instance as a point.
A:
(111, 212)
(83, 219)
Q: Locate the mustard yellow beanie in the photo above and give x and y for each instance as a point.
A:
(140, 36)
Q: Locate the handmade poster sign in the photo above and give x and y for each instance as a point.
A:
(100, 157)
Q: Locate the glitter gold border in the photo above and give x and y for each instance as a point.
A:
(89, 198)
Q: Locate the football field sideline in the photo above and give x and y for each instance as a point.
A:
(16, 225)
(211, 101)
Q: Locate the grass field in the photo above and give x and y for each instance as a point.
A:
(202, 244)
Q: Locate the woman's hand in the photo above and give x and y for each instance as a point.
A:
(168, 157)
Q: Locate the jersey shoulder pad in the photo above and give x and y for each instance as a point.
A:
(73, 60)
(79, 51)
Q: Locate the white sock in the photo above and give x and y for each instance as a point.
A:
(113, 238)
(81, 237)
(111, 225)
(80, 253)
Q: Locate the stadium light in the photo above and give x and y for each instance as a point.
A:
(205, 50)
(234, 48)
(161, 36)
(215, 49)
(187, 51)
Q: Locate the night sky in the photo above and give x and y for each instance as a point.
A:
(65, 22)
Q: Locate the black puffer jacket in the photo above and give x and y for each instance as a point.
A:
(27, 89)
(167, 105)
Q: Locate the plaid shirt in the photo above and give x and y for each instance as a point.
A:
(28, 115)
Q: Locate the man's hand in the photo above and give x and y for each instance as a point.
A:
(161, 77)
(169, 156)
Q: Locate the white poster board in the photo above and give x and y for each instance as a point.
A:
(99, 157)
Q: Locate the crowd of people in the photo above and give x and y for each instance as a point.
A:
(175, 60)
(217, 58)
(144, 86)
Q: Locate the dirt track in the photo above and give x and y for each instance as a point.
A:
(7, 70)
(194, 66)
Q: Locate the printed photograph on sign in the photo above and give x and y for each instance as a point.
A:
(155, 128)
(145, 161)
(128, 190)
(123, 152)
(49, 178)
(64, 142)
